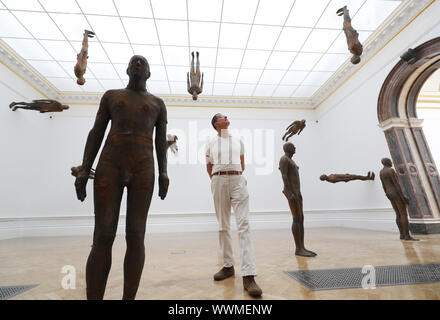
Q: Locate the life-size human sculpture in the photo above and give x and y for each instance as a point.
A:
(354, 46)
(194, 81)
(290, 175)
(296, 127)
(42, 105)
(172, 143)
(76, 170)
(334, 178)
(82, 56)
(126, 161)
(397, 197)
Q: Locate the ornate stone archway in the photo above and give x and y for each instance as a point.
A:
(403, 131)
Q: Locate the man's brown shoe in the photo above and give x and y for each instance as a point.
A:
(224, 273)
(251, 286)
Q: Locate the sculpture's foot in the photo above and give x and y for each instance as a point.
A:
(192, 54)
(340, 11)
(305, 253)
(409, 238)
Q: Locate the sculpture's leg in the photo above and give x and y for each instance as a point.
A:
(107, 198)
(284, 136)
(398, 219)
(192, 64)
(140, 191)
(404, 223)
(298, 228)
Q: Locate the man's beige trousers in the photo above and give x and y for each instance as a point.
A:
(231, 191)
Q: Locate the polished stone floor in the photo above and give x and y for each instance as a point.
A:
(181, 265)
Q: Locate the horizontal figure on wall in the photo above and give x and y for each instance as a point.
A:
(42, 105)
(395, 193)
(346, 177)
(290, 174)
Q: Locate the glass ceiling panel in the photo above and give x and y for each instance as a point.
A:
(32, 5)
(134, 8)
(222, 89)
(274, 13)
(10, 27)
(103, 70)
(263, 37)
(108, 28)
(60, 50)
(176, 56)
(207, 56)
(96, 52)
(284, 91)
(329, 18)
(305, 61)
(203, 34)
(249, 76)
(66, 84)
(104, 7)
(271, 76)
(229, 58)
(294, 77)
(304, 91)
(225, 75)
(255, 59)
(158, 87)
(320, 40)
(317, 78)
(140, 31)
(244, 89)
(179, 88)
(234, 35)
(305, 13)
(48, 68)
(39, 24)
(280, 60)
(93, 85)
(60, 6)
(242, 11)
(112, 84)
(121, 69)
(177, 73)
(28, 49)
(118, 53)
(172, 32)
(204, 10)
(331, 62)
(71, 25)
(264, 90)
(373, 13)
(152, 53)
(208, 75)
(292, 39)
(169, 9)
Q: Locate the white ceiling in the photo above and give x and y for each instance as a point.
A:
(260, 48)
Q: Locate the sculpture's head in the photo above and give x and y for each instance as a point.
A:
(194, 95)
(138, 68)
(303, 122)
(355, 59)
(64, 107)
(387, 162)
(220, 121)
(289, 148)
(81, 81)
(323, 177)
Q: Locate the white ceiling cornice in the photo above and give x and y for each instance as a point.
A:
(403, 16)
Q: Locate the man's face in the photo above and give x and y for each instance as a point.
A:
(138, 67)
(222, 121)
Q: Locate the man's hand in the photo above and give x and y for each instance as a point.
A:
(163, 185)
(80, 185)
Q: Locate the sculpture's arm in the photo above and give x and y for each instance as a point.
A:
(285, 175)
(161, 145)
(397, 185)
(187, 82)
(201, 85)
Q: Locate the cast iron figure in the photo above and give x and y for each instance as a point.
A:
(290, 175)
(334, 178)
(193, 81)
(397, 197)
(81, 57)
(172, 143)
(75, 171)
(126, 161)
(352, 36)
(42, 105)
(294, 128)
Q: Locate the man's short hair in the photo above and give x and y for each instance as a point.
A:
(214, 120)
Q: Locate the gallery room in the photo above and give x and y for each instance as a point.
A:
(219, 150)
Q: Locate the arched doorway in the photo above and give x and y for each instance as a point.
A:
(403, 131)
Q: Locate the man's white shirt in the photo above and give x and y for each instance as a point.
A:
(224, 153)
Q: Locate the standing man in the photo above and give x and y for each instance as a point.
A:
(126, 161)
(225, 164)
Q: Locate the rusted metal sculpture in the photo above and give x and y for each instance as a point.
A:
(194, 81)
(172, 143)
(82, 56)
(397, 197)
(294, 128)
(42, 105)
(354, 46)
(336, 177)
(76, 170)
(126, 161)
(290, 175)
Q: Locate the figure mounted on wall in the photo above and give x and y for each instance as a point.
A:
(397, 197)
(76, 170)
(42, 105)
(354, 46)
(126, 161)
(294, 128)
(81, 57)
(194, 81)
(172, 143)
(336, 177)
(290, 175)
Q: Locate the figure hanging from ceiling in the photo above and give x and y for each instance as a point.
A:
(194, 81)
(294, 128)
(352, 36)
(81, 64)
(42, 105)
(334, 178)
(172, 143)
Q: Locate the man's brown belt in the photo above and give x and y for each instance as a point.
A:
(222, 173)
